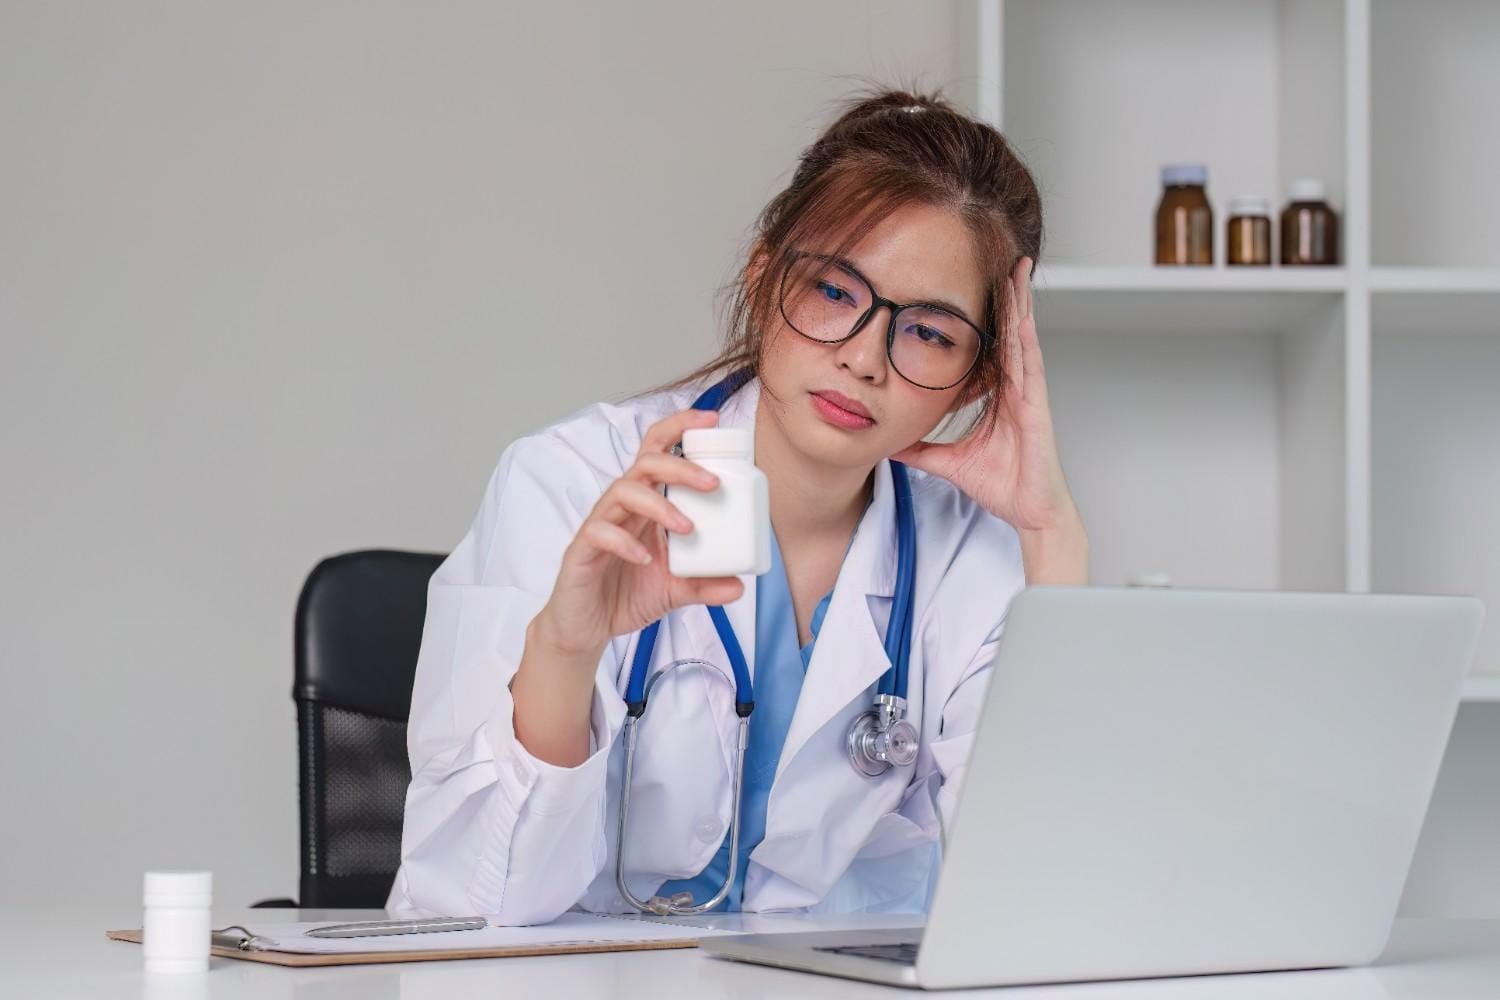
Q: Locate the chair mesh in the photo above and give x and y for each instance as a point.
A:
(362, 793)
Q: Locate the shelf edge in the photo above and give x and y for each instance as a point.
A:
(1482, 687)
(1206, 279)
(1435, 279)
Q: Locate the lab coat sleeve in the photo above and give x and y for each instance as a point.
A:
(488, 827)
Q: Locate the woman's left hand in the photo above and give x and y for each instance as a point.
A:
(1013, 471)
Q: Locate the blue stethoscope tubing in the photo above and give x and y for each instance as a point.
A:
(877, 740)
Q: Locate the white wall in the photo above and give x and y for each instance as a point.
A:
(281, 279)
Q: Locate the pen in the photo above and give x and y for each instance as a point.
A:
(371, 928)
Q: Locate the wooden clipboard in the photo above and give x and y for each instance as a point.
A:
(428, 954)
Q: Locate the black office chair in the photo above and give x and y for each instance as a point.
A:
(358, 629)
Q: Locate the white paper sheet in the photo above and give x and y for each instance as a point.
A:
(569, 928)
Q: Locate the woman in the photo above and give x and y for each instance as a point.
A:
(534, 620)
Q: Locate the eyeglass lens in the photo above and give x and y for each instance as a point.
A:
(823, 301)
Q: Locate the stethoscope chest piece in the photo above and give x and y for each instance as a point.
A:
(881, 738)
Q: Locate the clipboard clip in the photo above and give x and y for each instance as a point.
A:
(237, 937)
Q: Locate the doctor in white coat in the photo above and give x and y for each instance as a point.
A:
(888, 287)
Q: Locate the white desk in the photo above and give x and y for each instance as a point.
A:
(62, 954)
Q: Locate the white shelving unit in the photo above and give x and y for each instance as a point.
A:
(1288, 428)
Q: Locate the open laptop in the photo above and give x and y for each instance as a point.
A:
(1175, 782)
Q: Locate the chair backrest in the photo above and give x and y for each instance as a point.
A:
(358, 630)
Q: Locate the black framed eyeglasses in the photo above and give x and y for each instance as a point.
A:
(929, 344)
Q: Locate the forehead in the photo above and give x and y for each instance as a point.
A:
(920, 253)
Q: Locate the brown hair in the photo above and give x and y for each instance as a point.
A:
(876, 157)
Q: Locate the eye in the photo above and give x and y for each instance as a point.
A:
(930, 336)
(827, 287)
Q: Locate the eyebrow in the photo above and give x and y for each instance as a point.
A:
(848, 265)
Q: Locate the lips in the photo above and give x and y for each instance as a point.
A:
(844, 402)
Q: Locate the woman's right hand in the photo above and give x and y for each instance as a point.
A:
(614, 577)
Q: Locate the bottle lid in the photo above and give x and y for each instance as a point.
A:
(717, 442)
(1249, 204)
(1307, 189)
(1184, 173)
(179, 888)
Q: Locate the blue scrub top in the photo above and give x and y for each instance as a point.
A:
(780, 666)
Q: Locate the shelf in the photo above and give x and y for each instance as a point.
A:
(1458, 280)
(1196, 301)
(1156, 278)
(1305, 430)
(1482, 687)
(1411, 310)
(1302, 428)
(1408, 301)
(1482, 280)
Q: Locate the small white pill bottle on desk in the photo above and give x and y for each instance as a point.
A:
(731, 533)
(176, 930)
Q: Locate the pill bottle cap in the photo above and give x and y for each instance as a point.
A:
(1184, 173)
(1307, 189)
(717, 442)
(1249, 204)
(179, 888)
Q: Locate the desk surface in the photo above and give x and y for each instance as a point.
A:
(62, 953)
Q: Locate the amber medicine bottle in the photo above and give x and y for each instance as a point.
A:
(1247, 239)
(1184, 219)
(1309, 227)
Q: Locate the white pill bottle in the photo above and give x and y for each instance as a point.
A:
(176, 930)
(731, 533)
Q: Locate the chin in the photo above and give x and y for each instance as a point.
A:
(828, 446)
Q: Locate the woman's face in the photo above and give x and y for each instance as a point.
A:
(918, 254)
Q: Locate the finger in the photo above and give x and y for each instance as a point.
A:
(656, 468)
(600, 538)
(1013, 370)
(643, 529)
(628, 496)
(662, 435)
(1024, 281)
(1035, 375)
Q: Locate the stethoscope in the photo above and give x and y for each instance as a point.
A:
(877, 740)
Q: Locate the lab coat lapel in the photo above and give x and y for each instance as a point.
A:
(849, 655)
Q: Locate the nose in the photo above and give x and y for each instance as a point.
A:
(864, 354)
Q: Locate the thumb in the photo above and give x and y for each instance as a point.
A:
(706, 590)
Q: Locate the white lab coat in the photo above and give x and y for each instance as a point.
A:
(491, 829)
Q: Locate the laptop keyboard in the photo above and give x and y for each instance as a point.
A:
(904, 953)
